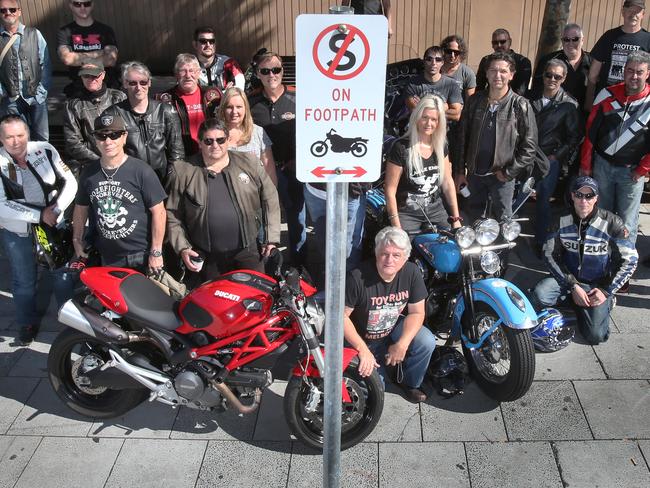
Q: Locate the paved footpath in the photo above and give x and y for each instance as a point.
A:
(584, 423)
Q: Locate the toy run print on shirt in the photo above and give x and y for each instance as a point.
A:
(383, 313)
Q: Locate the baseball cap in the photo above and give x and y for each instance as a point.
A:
(634, 3)
(587, 181)
(92, 68)
(109, 123)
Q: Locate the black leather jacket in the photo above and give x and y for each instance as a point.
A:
(154, 137)
(559, 126)
(516, 135)
(78, 120)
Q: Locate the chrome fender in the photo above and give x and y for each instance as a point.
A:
(506, 299)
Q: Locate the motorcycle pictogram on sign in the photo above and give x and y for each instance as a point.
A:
(355, 145)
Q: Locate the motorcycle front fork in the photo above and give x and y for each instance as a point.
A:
(472, 331)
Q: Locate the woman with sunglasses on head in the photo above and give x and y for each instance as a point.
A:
(154, 130)
(559, 133)
(455, 53)
(244, 135)
(418, 171)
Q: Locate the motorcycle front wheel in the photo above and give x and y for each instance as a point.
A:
(303, 407)
(504, 365)
(70, 354)
(318, 149)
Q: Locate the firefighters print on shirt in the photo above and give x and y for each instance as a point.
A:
(113, 220)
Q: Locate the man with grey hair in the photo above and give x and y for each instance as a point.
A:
(576, 59)
(384, 313)
(616, 150)
(153, 129)
(501, 43)
(193, 103)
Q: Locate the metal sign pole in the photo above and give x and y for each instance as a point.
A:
(335, 256)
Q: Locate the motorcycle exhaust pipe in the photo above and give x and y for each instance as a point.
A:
(234, 401)
(89, 322)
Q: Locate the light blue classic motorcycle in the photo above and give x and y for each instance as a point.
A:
(470, 302)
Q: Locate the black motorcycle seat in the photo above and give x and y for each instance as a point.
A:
(147, 303)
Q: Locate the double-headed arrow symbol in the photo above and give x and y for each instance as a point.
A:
(321, 172)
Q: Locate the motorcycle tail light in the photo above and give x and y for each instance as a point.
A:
(490, 262)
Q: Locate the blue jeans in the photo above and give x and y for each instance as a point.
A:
(619, 193)
(592, 321)
(417, 358)
(317, 208)
(501, 193)
(290, 191)
(35, 116)
(545, 189)
(24, 279)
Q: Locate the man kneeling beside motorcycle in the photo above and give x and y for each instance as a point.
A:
(376, 294)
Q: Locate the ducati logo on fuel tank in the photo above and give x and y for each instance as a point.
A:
(227, 296)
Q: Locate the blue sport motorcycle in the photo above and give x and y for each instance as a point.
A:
(470, 302)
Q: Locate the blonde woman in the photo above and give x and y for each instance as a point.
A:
(244, 135)
(418, 172)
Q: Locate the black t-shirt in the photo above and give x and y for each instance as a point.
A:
(278, 119)
(425, 184)
(487, 143)
(446, 88)
(377, 305)
(84, 39)
(119, 206)
(612, 49)
(223, 224)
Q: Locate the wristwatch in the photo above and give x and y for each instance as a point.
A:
(156, 253)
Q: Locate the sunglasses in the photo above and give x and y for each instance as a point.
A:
(205, 41)
(113, 136)
(208, 141)
(267, 71)
(136, 83)
(500, 42)
(431, 59)
(454, 52)
(570, 39)
(552, 76)
(82, 4)
(11, 10)
(584, 196)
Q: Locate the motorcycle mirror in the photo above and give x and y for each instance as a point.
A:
(292, 278)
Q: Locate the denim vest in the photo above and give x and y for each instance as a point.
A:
(31, 66)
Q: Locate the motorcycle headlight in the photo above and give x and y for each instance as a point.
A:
(490, 262)
(487, 232)
(510, 230)
(465, 237)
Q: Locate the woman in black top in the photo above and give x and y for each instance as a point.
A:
(415, 178)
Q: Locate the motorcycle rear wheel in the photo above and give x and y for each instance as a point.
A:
(358, 418)
(504, 366)
(66, 354)
(359, 149)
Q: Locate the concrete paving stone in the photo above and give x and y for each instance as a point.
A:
(399, 422)
(645, 448)
(512, 465)
(45, 414)
(358, 467)
(140, 460)
(616, 409)
(199, 424)
(602, 464)
(234, 464)
(148, 420)
(15, 392)
(33, 362)
(574, 362)
(630, 315)
(472, 416)
(626, 356)
(549, 411)
(65, 462)
(9, 353)
(271, 424)
(424, 465)
(15, 453)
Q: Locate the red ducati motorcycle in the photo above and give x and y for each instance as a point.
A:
(216, 349)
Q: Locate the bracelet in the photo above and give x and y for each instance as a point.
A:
(392, 216)
(452, 220)
(156, 253)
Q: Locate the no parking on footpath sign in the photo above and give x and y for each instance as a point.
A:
(340, 86)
